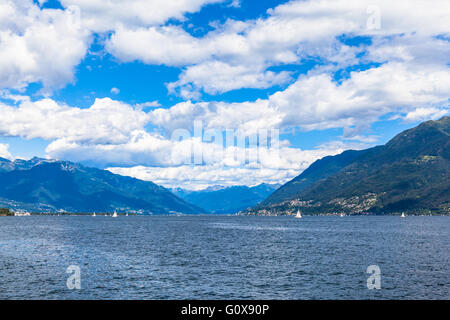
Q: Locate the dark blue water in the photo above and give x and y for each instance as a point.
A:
(221, 257)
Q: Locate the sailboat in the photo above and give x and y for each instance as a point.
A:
(342, 215)
(403, 215)
(94, 214)
(115, 214)
(298, 215)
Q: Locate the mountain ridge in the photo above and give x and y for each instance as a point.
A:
(409, 173)
(42, 185)
(226, 200)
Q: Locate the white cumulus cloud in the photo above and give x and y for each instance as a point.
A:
(105, 15)
(316, 102)
(39, 45)
(4, 151)
(243, 50)
(274, 167)
(106, 121)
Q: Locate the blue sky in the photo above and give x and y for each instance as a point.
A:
(110, 83)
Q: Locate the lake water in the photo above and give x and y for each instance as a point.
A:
(224, 257)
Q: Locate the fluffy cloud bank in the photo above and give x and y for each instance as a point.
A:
(45, 45)
(316, 101)
(105, 122)
(275, 166)
(243, 50)
(39, 45)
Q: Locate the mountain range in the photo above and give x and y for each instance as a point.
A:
(41, 185)
(220, 199)
(410, 173)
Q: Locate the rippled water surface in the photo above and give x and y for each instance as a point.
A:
(223, 257)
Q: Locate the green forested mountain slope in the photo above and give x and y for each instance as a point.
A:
(410, 173)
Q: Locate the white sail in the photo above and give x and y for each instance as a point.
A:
(403, 215)
(298, 215)
(115, 214)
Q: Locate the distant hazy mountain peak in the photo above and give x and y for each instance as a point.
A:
(213, 188)
(221, 199)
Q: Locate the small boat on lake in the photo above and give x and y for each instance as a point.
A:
(298, 215)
